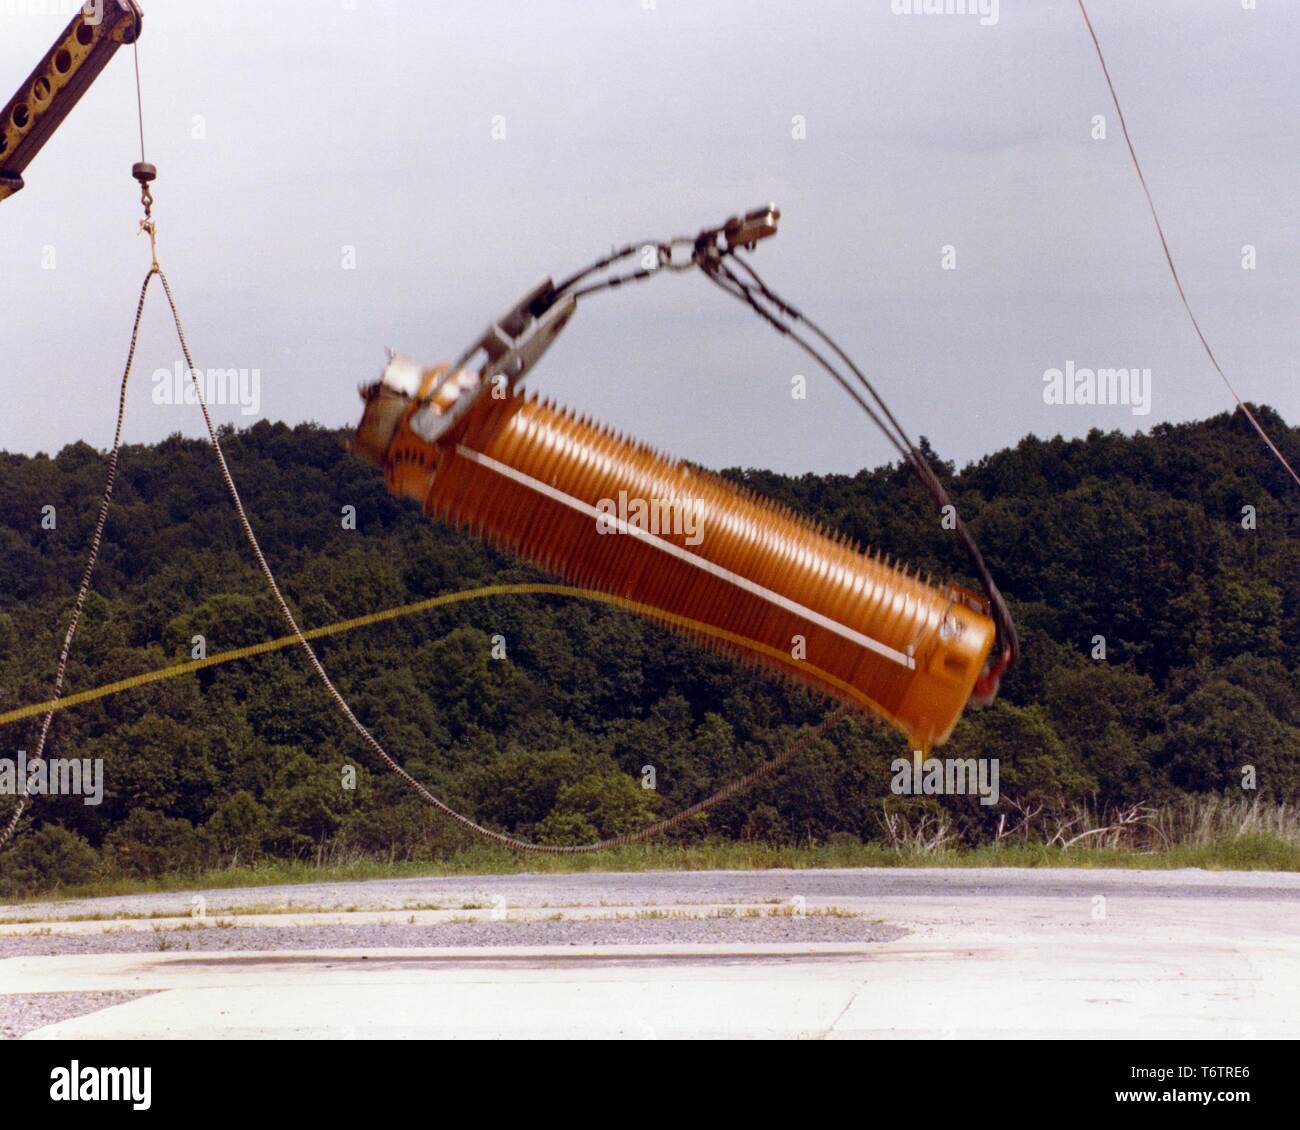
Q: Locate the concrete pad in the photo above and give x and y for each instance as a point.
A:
(1095, 955)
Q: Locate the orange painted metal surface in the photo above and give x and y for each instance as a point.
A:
(611, 514)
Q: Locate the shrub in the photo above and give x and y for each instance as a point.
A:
(46, 858)
(147, 844)
(239, 827)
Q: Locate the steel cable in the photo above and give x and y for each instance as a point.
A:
(1169, 258)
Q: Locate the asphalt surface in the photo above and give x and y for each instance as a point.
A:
(664, 888)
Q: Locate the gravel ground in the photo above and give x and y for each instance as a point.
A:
(25, 1012)
(574, 932)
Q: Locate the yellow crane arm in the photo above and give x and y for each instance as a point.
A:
(68, 68)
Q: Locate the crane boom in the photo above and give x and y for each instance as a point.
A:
(62, 76)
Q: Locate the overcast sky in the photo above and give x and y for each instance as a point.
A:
(287, 131)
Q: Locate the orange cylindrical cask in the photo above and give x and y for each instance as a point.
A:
(736, 570)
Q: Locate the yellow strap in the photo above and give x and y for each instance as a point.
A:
(444, 600)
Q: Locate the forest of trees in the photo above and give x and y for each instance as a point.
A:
(1180, 547)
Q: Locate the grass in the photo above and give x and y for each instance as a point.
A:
(1248, 851)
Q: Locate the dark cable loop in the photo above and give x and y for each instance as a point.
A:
(709, 256)
(912, 454)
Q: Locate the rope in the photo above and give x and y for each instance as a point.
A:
(366, 736)
(91, 559)
(144, 173)
(300, 637)
(1169, 258)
